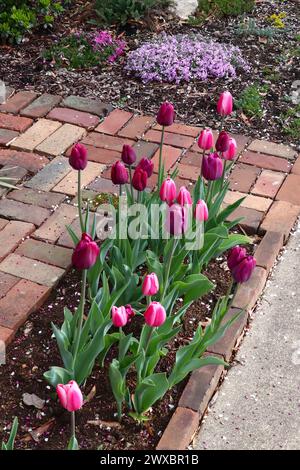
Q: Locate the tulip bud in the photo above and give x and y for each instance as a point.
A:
(70, 396)
(155, 314)
(129, 311)
(222, 143)
(206, 139)
(146, 165)
(231, 152)
(184, 197)
(128, 155)
(166, 114)
(85, 253)
(242, 271)
(119, 316)
(201, 211)
(167, 191)
(235, 256)
(119, 174)
(225, 104)
(176, 219)
(78, 158)
(139, 179)
(212, 167)
(150, 285)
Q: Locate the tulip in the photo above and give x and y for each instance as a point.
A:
(222, 143)
(206, 139)
(119, 174)
(212, 167)
(242, 271)
(146, 165)
(166, 114)
(201, 211)
(128, 155)
(129, 312)
(78, 158)
(225, 104)
(167, 191)
(235, 256)
(119, 316)
(139, 179)
(150, 285)
(85, 253)
(231, 152)
(70, 396)
(184, 197)
(155, 314)
(176, 219)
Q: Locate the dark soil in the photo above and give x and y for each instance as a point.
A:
(34, 350)
(274, 63)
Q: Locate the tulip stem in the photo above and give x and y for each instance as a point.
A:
(80, 202)
(222, 123)
(80, 322)
(73, 424)
(130, 179)
(160, 176)
(168, 267)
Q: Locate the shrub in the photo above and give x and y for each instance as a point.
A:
(184, 58)
(227, 7)
(122, 11)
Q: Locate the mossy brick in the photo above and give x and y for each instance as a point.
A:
(41, 106)
(89, 105)
(50, 176)
(48, 200)
(45, 252)
(15, 210)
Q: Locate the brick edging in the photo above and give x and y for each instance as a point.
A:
(204, 382)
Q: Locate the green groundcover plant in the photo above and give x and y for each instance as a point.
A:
(189, 230)
(123, 11)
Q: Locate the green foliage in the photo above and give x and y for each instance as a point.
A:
(291, 122)
(19, 17)
(250, 28)
(122, 11)
(74, 52)
(250, 101)
(9, 445)
(226, 7)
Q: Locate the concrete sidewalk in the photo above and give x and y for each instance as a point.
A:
(258, 405)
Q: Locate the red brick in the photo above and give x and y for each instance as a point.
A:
(14, 123)
(179, 182)
(45, 252)
(170, 156)
(41, 106)
(192, 159)
(225, 345)
(7, 281)
(249, 292)
(6, 335)
(58, 142)
(243, 177)
(37, 198)
(17, 102)
(290, 190)
(30, 297)
(104, 185)
(176, 140)
(3, 223)
(69, 184)
(98, 155)
(136, 127)
(188, 172)
(15, 210)
(7, 136)
(251, 219)
(114, 122)
(30, 161)
(106, 141)
(296, 167)
(268, 250)
(268, 183)
(72, 116)
(144, 149)
(266, 161)
(257, 203)
(280, 218)
(35, 135)
(180, 430)
(200, 388)
(12, 235)
(55, 225)
(270, 148)
(182, 129)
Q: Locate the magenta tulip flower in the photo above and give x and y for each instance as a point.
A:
(128, 155)
(167, 191)
(201, 211)
(139, 179)
(243, 270)
(176, 219)
(231, 152)
(222, 143)
(78, 158)
(147, 165)
(225, 104)
(119, 174)
(184, 197)
(70, 396)
(85, 253)
(130, 312)
(206, 139)
(235, 256)
(150, 285)
(166, 114)
(155, 314)
(119, 316)
(212, 167)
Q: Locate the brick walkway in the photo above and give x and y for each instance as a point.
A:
(36, 135)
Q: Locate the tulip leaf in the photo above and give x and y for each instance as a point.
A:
(149, 391)
(63, 346)
(194, 286)
(73, 444)
(58, 375)
(73, 235)
(9, 445)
